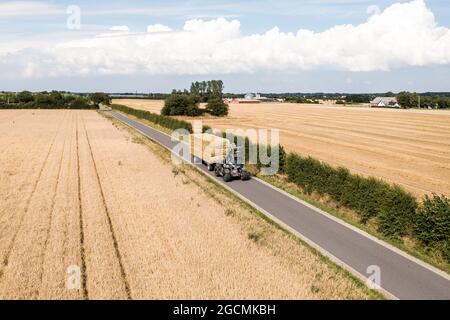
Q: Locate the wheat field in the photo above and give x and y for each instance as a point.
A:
(80, 190)
(407, 147)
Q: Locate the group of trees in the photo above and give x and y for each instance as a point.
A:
(395, 211)
(301, 100)
(98, 98)
(408, 100)
(187, 103)
(411, 100)
(181, 104)
(51, 100)
(208, 90)
(358, 98)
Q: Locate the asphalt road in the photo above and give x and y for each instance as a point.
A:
(401, 276)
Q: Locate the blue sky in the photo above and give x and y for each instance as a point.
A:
(35, 32)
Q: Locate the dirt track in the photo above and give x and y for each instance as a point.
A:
(78, 191)
(407, 147)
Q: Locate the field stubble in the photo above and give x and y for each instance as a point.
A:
(78, 190)
(407, 147)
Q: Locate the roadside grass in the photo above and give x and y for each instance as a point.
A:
(407, 244)
(259, 228)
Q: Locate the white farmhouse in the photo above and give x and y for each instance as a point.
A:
(385, 102)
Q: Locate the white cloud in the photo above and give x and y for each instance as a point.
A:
(28, 72)
(28, 8)
(120, 28)
(155, 28)
(405, 34)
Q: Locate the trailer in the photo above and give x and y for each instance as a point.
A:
(219, 155)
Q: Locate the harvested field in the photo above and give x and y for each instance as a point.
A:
(78, 190)
(407, 147)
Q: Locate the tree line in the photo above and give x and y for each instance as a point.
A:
(413, 100)
(405, 99)
(52, 100)
(435, 100)
(301, 100)
(187, 103)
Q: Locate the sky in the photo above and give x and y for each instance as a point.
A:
(348, 46)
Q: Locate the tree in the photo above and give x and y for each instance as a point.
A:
(196, 88)
(203, 88)
(358, 98)
(24, 97)
(443, 102)
(182, 105)
(432, 225)
(99, 97)
(217, 107)
(57, 98)
(407, 99)
(44, 100)
(79, 103)
(68, 99)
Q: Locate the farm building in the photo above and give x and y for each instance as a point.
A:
(387, 102)
(251, 98)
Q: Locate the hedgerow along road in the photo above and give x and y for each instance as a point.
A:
(400, 276)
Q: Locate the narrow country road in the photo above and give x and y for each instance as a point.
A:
(401, 275)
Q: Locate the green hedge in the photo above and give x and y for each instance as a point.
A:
(163, 121)
(393, 207)
(432, 225)
(248, 145)
(45, 100)
(76, 104)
